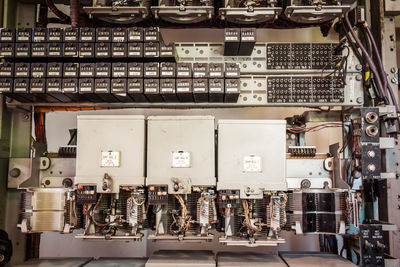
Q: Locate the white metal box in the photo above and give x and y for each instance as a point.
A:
(181, 150)
(230, 259)
(188, 258)
(112, 145)
(252, 156)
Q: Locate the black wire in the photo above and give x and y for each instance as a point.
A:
(368, 59)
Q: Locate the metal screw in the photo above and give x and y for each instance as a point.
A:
(359, 100)
(26, 116)
(358, 77)
(393, 70)
(358, 67)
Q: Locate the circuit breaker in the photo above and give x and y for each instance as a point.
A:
(252, 156)
(110, 151)
(180, 152)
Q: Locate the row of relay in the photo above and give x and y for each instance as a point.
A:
(83, 35)
(68, 90)
(87, 50)
(119, 69)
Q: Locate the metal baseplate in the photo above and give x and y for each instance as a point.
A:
(258, 242)
(137, 237)
(189, 238)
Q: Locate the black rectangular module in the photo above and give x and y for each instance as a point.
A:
(119, 34)
(6, 69)
(135, 50)
(70, 89)
(216, 70)
(135, 70)
(372, 246)
(86, 195)
(232, 70)
(184, 90)
(119, 90)
(168, 90)
(7, 35)
(55, 35)
(167, 50)
(54, 50)
(54, 88)
(135, 90)
(151, 34)
(152, 90)
(183, 70)
(119, 70)
(151, 70)
(247, 41)
(216, 90)
(39, 50)
(21, 87)
(87, 35)
(151, 50)
(6, 85)
(22, 70)
(87, 70)
(228, 198)
(86, 50)
(39, 35)
(135, 34)
(71, 35)
(86, 89)
(71, 50)
(119, 50)
(54, 70)
(102, 70)
(23, 35)
(200, 70)
(38, 91)
(231, 41)
(232, 90)
(38, 70)
(167, 69)
(200, 90)
(157, 195)
(22, 50)
(71, 70)
(102, 88)
(7, 50)
(103, 35)
(102, 50)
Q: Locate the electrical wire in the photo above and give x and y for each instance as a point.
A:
(93, 213)
(304, 129)
(368, 59)
(381, 67)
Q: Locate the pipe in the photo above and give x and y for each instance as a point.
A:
(64, 18)
(74, 4)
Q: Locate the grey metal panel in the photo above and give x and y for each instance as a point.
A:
(190, 134)
(70, 262)
(229, 259)
(262, 140)
(194, 258)
(114, 262)
(122, 134)
(310, 259)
